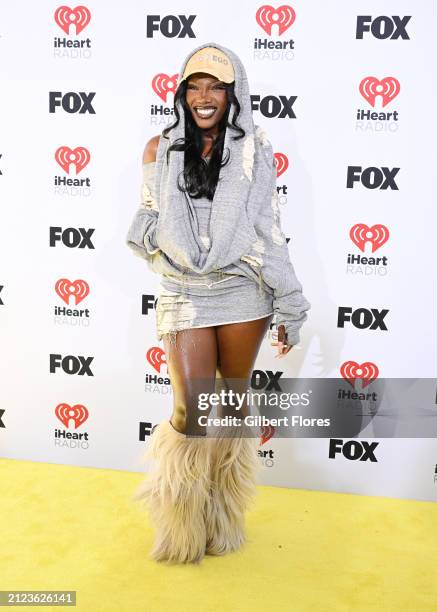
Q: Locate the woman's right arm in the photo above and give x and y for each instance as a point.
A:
(141, 234)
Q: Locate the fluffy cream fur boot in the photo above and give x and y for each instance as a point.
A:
(177, 494)
(234, 473)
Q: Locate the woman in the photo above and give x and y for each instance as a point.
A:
(209, 224)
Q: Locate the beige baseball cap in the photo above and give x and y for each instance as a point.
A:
(212, 61)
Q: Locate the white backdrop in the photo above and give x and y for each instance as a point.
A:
(333, 57)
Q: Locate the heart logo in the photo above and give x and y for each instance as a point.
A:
(156, 357)
(77, 413)
(79, 17)
(163, 84)
(267, 432)
(79, 157)
(77, 289)
(267, 16)
(377, 235)
(281, 163)
(387, 88)
(351, 371)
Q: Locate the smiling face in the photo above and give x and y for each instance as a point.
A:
(207, 99)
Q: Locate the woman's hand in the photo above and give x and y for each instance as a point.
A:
(282, 344)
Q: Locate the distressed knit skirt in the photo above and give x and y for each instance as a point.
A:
(206, 300)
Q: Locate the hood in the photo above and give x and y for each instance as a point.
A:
(245, 184)
(245, 118)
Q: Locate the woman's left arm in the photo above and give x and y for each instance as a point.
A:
(271, 251)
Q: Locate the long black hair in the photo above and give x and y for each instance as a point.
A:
(201, 177)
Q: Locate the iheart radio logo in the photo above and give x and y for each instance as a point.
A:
(267, 16)
(267, 432)
(79, 157)
(352, 371)
(156, 357)
(66, 16)
(77, 413)
(77, 289)
(387, 88)
(163, 84)
(281, 163)
(377, 235)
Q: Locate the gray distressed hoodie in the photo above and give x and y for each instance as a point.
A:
(246, 233)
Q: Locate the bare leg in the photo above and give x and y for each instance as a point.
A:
(238, 347)
(177, 493)
(235, 462)
(192, 363)
(201, 488)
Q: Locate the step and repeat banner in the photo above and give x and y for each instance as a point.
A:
(346, 92)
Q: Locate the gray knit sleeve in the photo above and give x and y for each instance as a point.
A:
(270, 253)
(141, 234)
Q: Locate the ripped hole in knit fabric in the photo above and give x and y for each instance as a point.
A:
(174, 313)
(173, 336)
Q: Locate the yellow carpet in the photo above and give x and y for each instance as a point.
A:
(75, 528)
